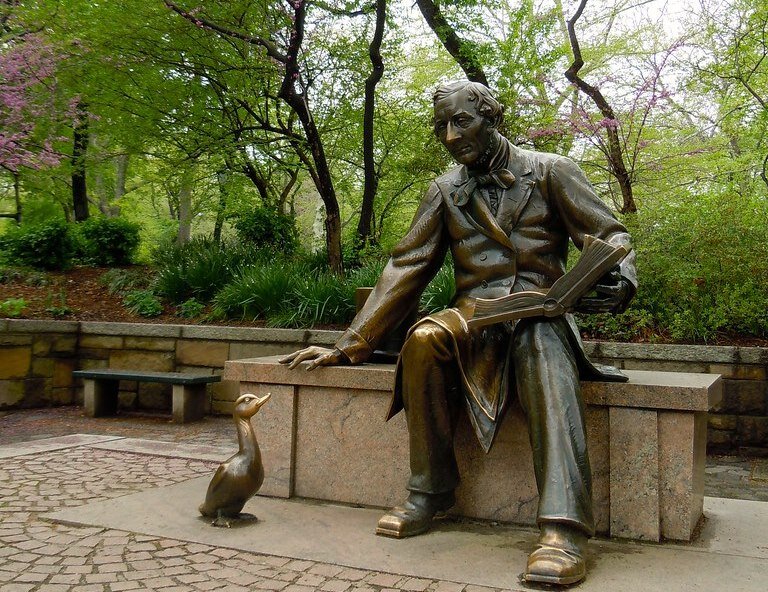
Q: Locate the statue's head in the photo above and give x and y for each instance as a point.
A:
(467, 117)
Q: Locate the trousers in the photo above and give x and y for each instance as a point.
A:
(546, 381)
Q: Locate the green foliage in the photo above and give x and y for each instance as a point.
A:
(258, 291)
(190, 309)
(143, 302)
(199, 268)
(61, 309)
(12, 307)
(121, 280)
(106, 241)
(42, 246)
(264, 228)
(440, 291)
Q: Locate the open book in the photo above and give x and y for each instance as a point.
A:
(597, 258)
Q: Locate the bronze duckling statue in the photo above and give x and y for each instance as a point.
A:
(239, 477)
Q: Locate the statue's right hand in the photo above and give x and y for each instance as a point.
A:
(316, 356)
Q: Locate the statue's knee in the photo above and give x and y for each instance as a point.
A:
(425, 337)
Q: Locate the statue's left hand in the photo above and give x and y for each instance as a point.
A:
(316, 356)
(613, 293)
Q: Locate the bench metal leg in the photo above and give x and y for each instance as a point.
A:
(188, 402)
(100, 397)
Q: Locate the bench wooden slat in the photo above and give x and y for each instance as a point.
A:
(147, 376)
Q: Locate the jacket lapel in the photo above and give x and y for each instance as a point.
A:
(516, 197)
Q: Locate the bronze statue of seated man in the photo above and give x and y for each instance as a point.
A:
(507, 215)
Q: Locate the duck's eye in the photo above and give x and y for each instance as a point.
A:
(248, 399)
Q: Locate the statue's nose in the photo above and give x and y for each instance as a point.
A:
(451, 133)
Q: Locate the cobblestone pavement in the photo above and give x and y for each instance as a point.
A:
(36, 555)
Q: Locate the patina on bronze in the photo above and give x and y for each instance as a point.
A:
(507, 216)
(239, 477)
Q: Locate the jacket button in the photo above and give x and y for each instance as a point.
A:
(483, 256)
(506, 283)
(484, 284)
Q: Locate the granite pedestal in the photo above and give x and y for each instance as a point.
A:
(323, 436)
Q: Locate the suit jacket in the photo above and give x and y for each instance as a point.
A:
(523, 247)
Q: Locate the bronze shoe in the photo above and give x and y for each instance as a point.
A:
(415, 515)
(559, 557)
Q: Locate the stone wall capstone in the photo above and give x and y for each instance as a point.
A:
(37, 359)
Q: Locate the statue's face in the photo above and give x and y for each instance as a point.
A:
(462, 130)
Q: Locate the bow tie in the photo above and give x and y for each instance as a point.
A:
(500, 177)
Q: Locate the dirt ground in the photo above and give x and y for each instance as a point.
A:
(76, 294)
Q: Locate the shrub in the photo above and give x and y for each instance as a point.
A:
(42, 246)
(121, 280)
(143, 302)
(12, 307)
(200, 268)
(190, 308)
(440, 291)
(258, 292)
(265, 228)
(107, 241)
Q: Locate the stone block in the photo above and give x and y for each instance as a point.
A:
(634, 454)
(739, 371)
(752, 431)
(43, 367)
(42, 345)
(37, 391)
(154, 396)
(45, 326)
(275, 426)
(202, 353)
(64, 344)
(125, 329)
(189, 402)
(598, 435)
(127, 400)
(101, 341)
(11, 393)
(94, 354)
(241, 350)
(62, 373)
(15, 362)
(349, 424)
(226, 390)
(751, 396)
(13, 339)
(92, 363)
(730, 401)
(62, 396)
(150, 343)
(722, 422)
(720, 439)
(665, 365)
(141, 360)
(682, 456)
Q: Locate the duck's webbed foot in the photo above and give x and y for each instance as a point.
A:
(223, 520)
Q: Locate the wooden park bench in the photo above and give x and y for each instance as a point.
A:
(100, 389)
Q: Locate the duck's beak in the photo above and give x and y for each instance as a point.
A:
(262, 400)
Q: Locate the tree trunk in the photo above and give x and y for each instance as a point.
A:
(185, 206)
(298, 101)
(79, 151)
(464, 52)
(371, 183)
(121, 171)
(17, 197)
(221, 178)
(615, 154)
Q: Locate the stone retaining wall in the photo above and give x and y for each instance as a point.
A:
(37, 357)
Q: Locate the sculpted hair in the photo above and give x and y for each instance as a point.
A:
(487, 105)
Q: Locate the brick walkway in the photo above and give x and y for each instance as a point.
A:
(36, 555)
